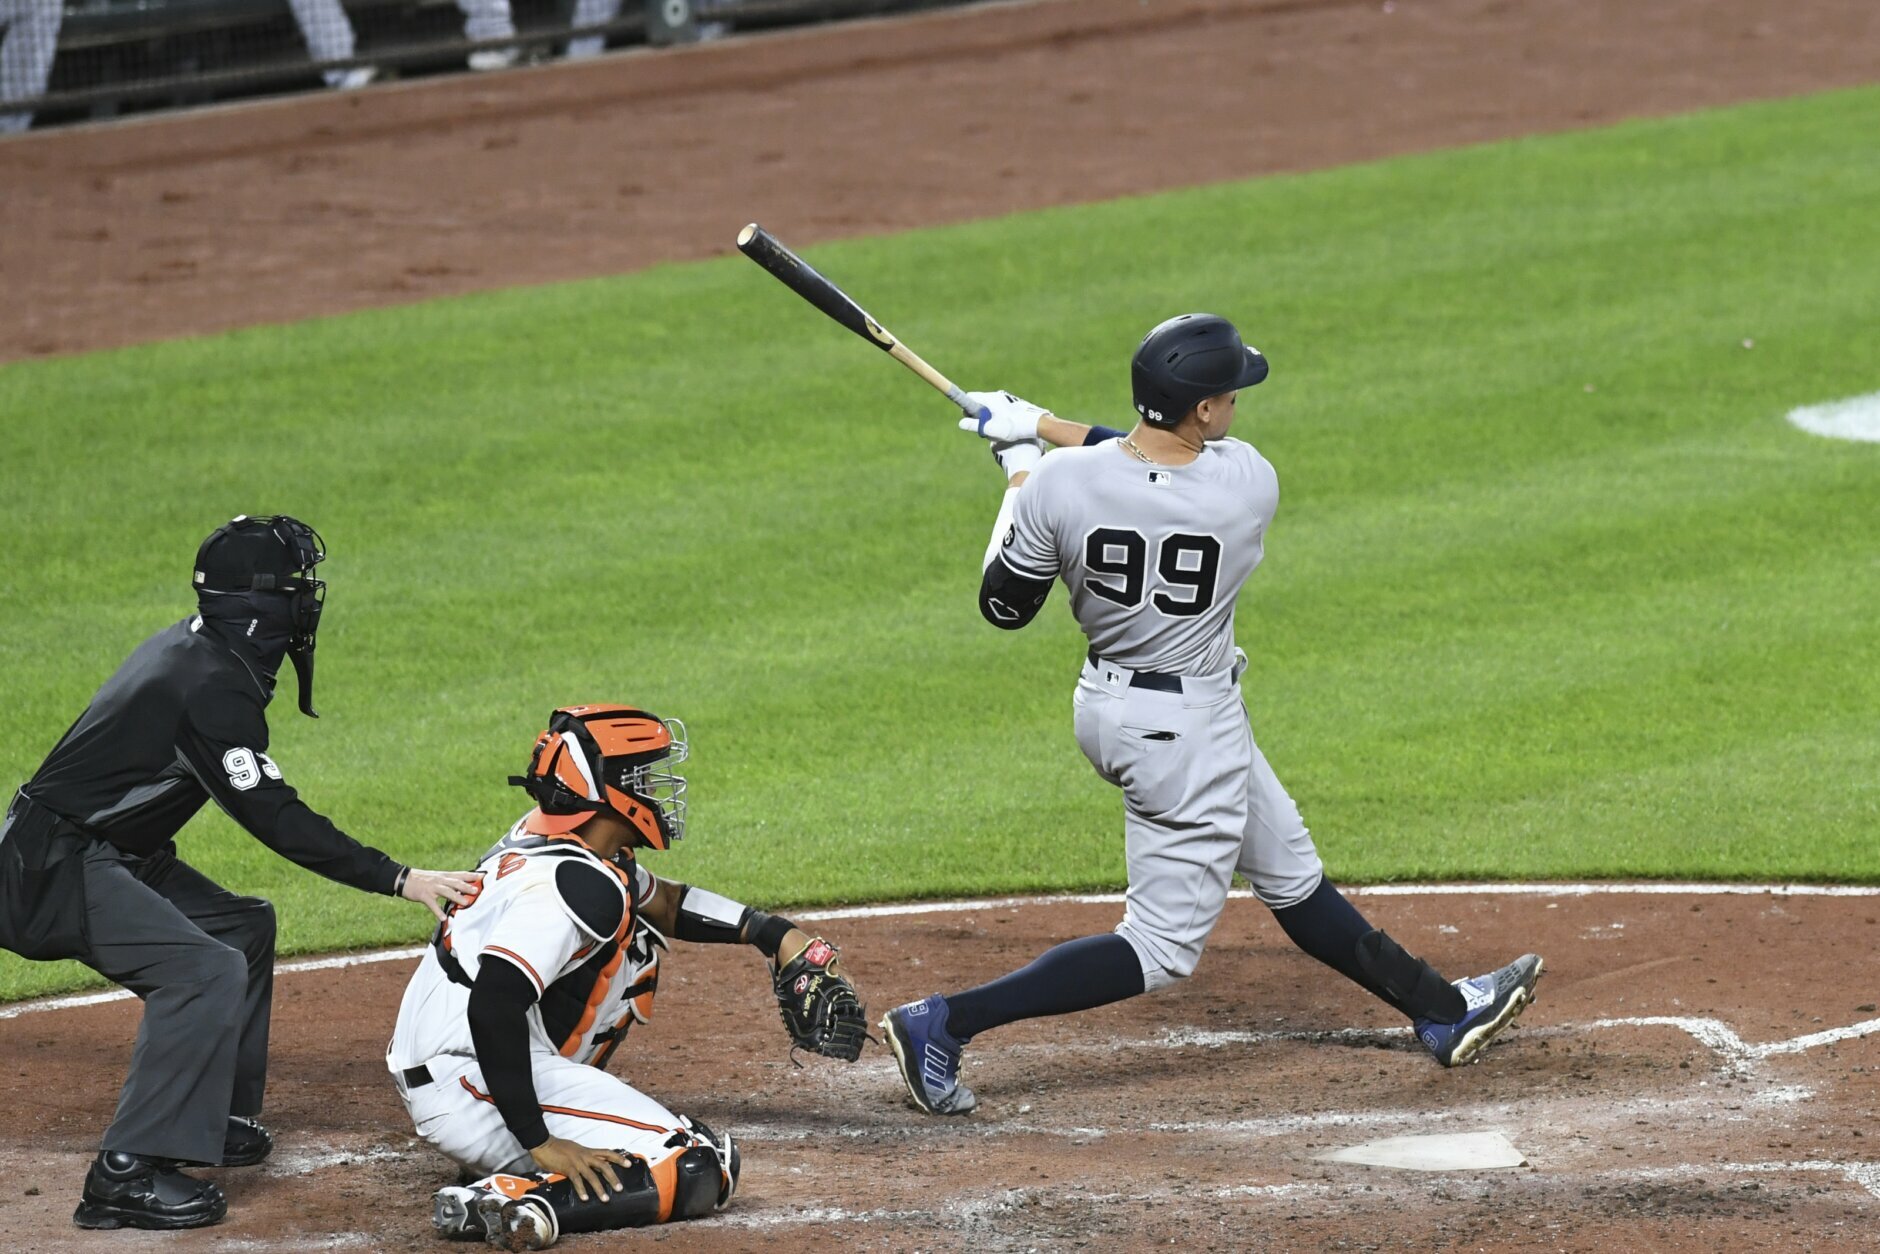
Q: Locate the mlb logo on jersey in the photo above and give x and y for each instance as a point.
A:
(1161, 478)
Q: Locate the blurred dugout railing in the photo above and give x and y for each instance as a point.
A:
(74, 60)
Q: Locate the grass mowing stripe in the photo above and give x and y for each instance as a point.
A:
(1553, 590)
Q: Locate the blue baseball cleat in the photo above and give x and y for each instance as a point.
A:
(1495, 1000)
(928, 1056)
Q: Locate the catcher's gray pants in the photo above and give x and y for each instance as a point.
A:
(1200, 803)
(202, 959)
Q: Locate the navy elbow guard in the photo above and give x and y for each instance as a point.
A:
(1009, 600)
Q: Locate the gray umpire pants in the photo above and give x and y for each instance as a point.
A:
(202, 959)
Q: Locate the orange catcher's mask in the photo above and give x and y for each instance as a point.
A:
(611, 759)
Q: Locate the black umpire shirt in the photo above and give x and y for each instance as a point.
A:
(183, 720)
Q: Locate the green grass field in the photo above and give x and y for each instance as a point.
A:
(1553, 590)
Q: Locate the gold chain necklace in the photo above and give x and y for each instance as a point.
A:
(1130, 447)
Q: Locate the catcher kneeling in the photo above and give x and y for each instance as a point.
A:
(509, 1020)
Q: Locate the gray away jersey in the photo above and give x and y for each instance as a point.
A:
(1153, 556)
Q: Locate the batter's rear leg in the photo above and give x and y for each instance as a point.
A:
(1455, 1021)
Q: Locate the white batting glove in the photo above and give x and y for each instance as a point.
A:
(1017, 456)
(1003, 416)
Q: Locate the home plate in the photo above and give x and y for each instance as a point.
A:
(1445, 1151)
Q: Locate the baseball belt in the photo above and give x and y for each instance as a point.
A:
(1158, 680)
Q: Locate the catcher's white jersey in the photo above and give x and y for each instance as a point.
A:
(1154, 556)
(592, 988)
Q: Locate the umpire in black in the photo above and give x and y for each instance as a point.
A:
(88, 869)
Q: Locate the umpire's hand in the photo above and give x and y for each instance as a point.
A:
(459, 888)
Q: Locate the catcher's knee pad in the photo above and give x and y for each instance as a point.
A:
(706, 1174)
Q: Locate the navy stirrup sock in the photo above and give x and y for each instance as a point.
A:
(1328, 927)
(1077, 975)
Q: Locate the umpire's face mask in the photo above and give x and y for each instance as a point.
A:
(270, 626)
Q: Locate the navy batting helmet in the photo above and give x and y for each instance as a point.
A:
(1187, 359)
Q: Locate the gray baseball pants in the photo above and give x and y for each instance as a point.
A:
(1200, 803)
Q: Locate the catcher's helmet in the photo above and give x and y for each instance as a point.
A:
(602, 758)
(1184, 361)
(274, 553)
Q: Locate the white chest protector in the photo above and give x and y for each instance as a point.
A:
(545, 906)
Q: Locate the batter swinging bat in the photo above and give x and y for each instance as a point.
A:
(769, 252)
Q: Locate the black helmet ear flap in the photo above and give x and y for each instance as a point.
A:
(566, 723)
(566, 735)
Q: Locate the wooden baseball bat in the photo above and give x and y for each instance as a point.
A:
(791, 270)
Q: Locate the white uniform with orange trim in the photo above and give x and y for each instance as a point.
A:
(592, 990)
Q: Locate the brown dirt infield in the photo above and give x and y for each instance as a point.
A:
(1192, 1118)
(1189, 1119)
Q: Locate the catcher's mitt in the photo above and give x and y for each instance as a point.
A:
(820, 1008)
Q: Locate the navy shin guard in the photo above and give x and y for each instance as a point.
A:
(1329, 927)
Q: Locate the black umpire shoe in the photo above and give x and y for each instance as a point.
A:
(246, 1142)
(131, 1191)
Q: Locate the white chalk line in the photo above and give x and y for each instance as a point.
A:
(76, 1000)
(1652, 889)
(1864, 1175)
(1712, 1033)
(1720, 1038)
(305, 1161)
(1522, 1120)
(766, 1131)
(989, 1209)
(912, 908)
(805, 1215)
(300, 1241)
